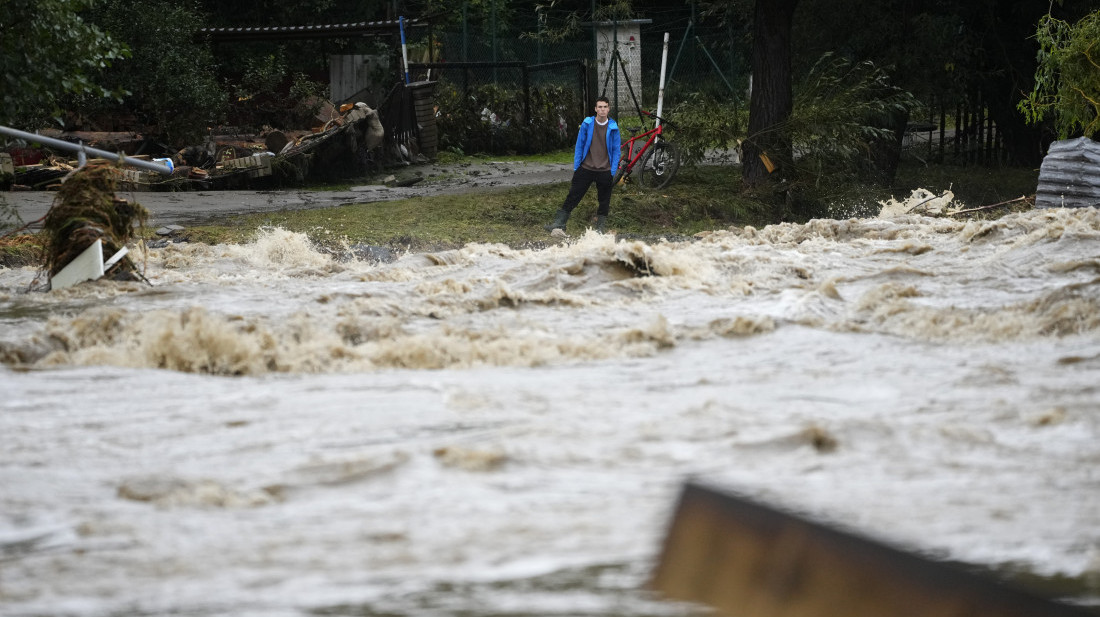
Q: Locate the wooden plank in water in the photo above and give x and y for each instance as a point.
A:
(751, 560)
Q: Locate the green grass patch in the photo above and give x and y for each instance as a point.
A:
(699, 199)
(21, 250)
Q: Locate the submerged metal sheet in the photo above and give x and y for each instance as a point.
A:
(1070, 175)
(746, 558)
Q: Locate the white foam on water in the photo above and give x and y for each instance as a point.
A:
(269, 431)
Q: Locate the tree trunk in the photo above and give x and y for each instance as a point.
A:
(771, 90)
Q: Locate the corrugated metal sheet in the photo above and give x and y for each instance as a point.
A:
(1070, 175)
(271, 33)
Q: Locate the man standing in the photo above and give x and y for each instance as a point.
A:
(595, 159)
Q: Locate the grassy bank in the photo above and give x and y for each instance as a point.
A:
(700, 198)
(22, 249)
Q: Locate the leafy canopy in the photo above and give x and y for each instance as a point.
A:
(170, 77)
(1067, 80)
(47, 50)
(842, 106)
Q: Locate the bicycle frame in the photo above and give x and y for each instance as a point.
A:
(628, 145)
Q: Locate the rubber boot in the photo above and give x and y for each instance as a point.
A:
(601, 223)
(559, 221)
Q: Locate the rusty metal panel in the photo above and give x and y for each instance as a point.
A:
(747, 559)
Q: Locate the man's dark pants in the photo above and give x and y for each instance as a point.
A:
(582, 180)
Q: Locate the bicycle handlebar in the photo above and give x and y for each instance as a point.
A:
(664, 121)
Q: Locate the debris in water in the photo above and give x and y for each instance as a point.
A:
(85, 210)
(470, 459)
(920, 201)
(820, 439)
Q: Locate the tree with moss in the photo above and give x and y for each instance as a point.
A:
(47, 51)
(1067, 80)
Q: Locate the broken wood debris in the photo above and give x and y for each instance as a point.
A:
(347, 144)
(86, 220)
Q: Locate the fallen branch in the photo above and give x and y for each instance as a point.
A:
(23, 228)
(990, 206)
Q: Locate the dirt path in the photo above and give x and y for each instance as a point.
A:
(195, 207)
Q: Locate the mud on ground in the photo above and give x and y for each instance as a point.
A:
(203, 207)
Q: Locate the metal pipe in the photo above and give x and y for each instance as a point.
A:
(81, 150)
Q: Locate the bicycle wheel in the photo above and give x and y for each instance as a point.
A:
(659, 165)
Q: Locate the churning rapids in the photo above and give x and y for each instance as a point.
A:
(266, 430)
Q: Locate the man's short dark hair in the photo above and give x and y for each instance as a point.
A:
(604, 99)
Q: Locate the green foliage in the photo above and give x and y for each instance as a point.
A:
(702, 122)
(287, 13)
(840, 109)
(937, 47)
(268, 93)
(48, 50)
(568, 24)
(555, 31)
(262, 74)
(173, 87)
(488, 14)
(1067, 79)
(490, 119)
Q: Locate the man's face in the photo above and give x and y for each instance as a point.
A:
(601, 110)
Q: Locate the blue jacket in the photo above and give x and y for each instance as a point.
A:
(584, 142)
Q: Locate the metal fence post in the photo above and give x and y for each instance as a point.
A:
(526, 94)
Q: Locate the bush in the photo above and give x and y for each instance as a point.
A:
(266, 94)
(843, 112)
(1067, 80)
(48, 51)
(171, 82)
(703, 122)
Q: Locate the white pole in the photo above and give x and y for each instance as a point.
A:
(661, 90)
(404, 48)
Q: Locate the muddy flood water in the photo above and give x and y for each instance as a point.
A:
(266, 430)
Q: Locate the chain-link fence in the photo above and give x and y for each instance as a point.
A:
(497, 84)
(504, 84)
(506, 106)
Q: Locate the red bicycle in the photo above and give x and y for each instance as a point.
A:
(657, 159)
